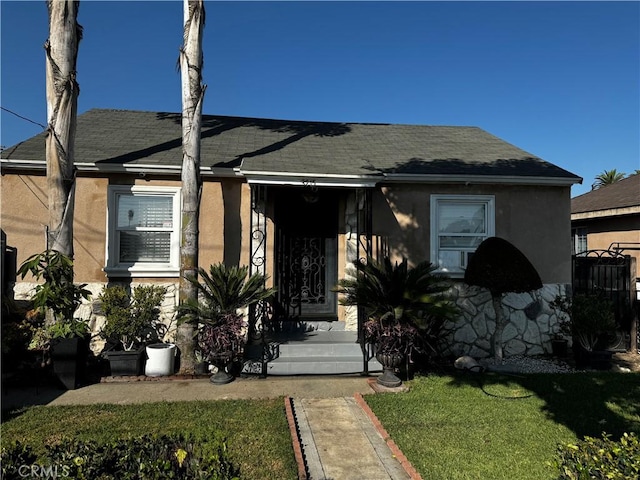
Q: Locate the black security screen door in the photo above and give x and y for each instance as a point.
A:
(306, 252)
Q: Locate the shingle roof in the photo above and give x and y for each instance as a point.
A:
(625, 193)
(154, 138)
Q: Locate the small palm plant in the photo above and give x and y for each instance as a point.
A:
(223, 293)
(405, 307)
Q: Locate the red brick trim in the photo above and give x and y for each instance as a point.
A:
(295, 439)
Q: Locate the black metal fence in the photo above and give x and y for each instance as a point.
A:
(612, 274)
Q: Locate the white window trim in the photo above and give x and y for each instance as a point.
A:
(115, 269)
(435, 202)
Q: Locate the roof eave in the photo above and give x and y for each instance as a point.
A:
(483, 179)
(310, 179)
(138, 168)
(611, 212)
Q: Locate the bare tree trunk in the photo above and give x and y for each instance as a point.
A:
(501, 322)
(62, 104)
(192, 98)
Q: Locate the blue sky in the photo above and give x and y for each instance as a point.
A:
(558, 79)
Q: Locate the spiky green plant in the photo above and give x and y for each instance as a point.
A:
(223, 291)
(393, 294)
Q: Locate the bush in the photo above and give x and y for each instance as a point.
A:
(595, 458)
(14, 458)
(146, 457)
(133, 319)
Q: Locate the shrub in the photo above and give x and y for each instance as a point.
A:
(146, 457)
(15, 457)
(132, 319)
(600, 458)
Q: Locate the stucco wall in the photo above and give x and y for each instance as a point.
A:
(602, 232)
(24, 216)
(534, 219)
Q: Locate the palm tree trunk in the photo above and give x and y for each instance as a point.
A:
(62, 104)
(192, 98)
(501, 322)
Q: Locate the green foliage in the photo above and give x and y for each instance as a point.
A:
(223, 291)
(607, 177)
(591, 317)
(132, 319)
(501, 267)
(600, 458)
(268, 454)
(404, 305)
(148, 457)
(14, 457)
(58, 295)
(58, 292)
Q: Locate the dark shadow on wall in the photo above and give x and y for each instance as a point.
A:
(231, 199)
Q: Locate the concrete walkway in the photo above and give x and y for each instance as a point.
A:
(337, 437)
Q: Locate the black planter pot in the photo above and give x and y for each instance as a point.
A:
(389, 362)
(69, 357)
(125, 362)
(221, 361)
(559, 347)
(595, 359)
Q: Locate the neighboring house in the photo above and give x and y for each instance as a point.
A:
(300, 201)
(608, 218)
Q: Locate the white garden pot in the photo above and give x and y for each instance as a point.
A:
(160, 359)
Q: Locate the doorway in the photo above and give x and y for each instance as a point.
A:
(306, 253)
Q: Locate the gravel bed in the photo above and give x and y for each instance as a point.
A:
(525, 364)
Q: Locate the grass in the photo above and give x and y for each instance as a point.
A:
(451, 427)
(257, 432)
(504, 427)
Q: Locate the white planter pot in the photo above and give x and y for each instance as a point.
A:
(160, 359)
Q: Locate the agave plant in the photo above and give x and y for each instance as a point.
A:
(406, 307)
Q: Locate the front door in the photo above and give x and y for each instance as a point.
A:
(307, 227)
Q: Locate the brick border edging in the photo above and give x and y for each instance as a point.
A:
(295, 439)
(395, 450)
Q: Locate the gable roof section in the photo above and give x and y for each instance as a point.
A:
(262, 149)
(619, 198)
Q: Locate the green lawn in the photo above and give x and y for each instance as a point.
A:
(504, 427)
(257, 431)
(450, 427)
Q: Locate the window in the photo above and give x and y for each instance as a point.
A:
(459, 223)
(579, 241)
(143, 231)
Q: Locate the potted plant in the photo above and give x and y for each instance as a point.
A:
(220, 328)
(592, 319)
(405, 307)
(561, 330)
(132, 323)
(58, 298)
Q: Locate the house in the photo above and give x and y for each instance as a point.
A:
(300, 201)
(608, 218)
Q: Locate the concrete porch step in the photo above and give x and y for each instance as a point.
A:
(320, 365)
(319, 353)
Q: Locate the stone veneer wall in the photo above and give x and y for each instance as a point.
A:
(531, 321)
(91, 309)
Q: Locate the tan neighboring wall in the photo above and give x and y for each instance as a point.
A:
(602, 232)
